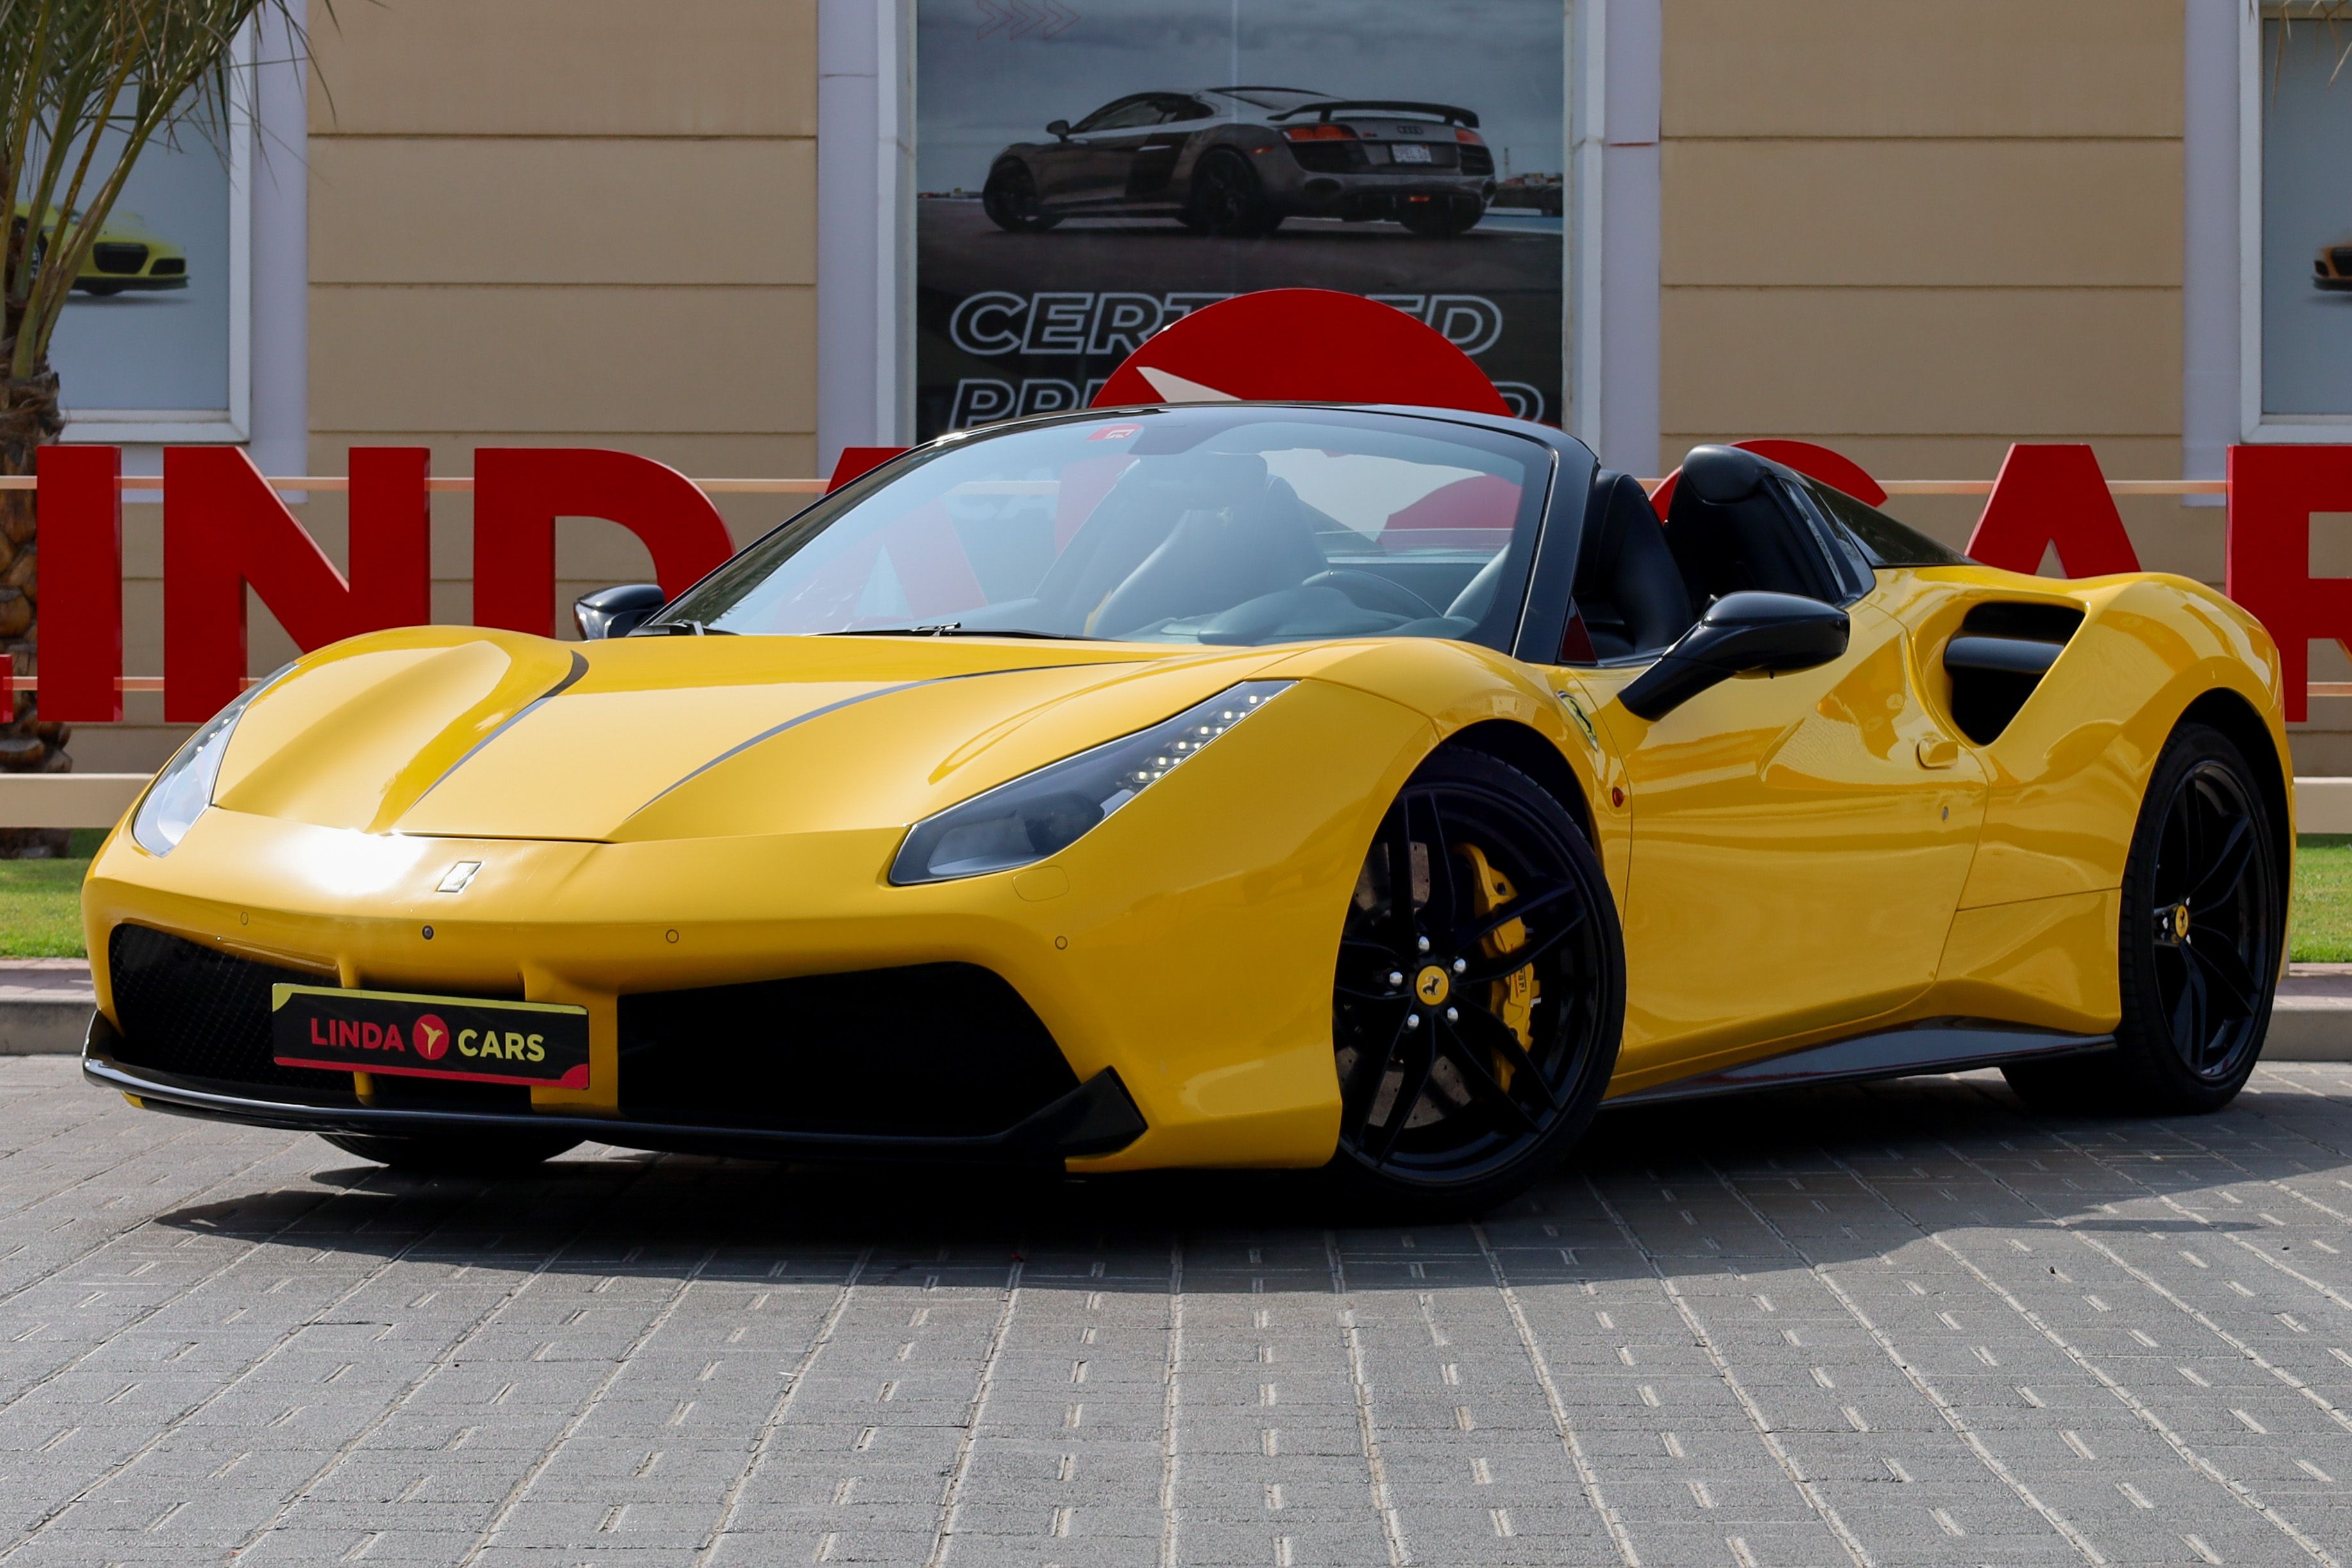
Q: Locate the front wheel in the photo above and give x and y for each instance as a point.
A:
(1480, 991)
(1011, 200)
(480, 1153)
(2196, 958)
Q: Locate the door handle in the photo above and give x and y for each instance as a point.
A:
(1938, 751)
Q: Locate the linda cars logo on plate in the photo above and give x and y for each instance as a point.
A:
(474, 1040)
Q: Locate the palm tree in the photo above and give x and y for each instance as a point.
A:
(90, 85)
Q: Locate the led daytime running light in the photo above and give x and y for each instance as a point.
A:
(1042, 813)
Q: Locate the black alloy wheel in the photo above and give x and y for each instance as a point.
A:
(1227, 199)
(1441, 217)
(2204, 916)
(1011, 200)
(1480, 991)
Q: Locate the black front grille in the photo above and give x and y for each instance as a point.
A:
(116, 256)
(170, 266)
(1478, 159)
(931, 1049)
(198, 1012)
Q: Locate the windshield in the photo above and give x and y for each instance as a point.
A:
(1200, 525)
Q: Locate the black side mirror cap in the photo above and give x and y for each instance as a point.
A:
(1739, 633)
(616, 611)
(1059, 130)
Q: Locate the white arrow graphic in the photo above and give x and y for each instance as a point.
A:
(1173, 388)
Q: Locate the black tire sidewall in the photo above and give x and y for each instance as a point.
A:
(1464, 768)
(2150, 1074)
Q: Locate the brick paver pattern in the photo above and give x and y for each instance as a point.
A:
(1911, 1324)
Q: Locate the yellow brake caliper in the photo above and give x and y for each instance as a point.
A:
(1511, 998)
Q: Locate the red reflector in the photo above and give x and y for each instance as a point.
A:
(1472, 137)
(1323, 132)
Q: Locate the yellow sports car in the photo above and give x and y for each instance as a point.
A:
(1219, 785)
(125, 255)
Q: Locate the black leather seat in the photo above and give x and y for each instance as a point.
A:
(1628, 590)
(1729, 533)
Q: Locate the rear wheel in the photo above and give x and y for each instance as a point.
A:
(1227, 199)
(479, 1154)
(1442, 217)
(2198, 953)
(1011, 200)
(1480, 991)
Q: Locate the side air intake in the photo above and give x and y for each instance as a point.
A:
(2000, 656)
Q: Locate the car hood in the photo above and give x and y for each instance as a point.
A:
(459, 732)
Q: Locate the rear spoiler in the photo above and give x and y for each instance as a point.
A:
(1444, 111)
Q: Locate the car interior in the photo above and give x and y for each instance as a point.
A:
(1641, 583)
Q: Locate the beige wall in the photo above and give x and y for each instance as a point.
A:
(1919, 230)
(544, 222)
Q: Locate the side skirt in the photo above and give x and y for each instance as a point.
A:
(1932, 1045)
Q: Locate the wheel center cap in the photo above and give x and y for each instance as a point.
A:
(2181, 923)
(1431, 985)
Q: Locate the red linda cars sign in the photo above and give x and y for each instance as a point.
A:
(224, 530)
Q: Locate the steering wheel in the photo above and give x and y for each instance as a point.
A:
(1376, 594)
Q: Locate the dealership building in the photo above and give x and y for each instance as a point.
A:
(740, 236)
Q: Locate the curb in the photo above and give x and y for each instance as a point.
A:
(45, 1026)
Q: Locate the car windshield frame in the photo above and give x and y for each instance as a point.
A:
(731, 598)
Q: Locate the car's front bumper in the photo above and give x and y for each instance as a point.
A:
(1097, 1118)
(1185, 944)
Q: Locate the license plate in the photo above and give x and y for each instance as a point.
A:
(1409, 153)
(463, 1038)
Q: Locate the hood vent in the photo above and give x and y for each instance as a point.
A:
(1997, 659)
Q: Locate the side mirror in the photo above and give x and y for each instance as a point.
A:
(1059, 130)
(1738, 633)
(616, 611)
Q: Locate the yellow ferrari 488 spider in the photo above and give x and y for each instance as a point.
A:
(1224, 784)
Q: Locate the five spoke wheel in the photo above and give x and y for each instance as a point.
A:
(1479, 990)
(2211, 922)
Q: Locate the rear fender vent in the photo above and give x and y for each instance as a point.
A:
(1999, 657)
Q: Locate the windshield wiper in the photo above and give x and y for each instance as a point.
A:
(686, 629)
(954, 629)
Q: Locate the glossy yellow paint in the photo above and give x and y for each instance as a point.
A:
(1795, 858)
(1773, 818)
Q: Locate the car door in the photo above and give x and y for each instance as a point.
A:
(1799, 840)
(1091, 168)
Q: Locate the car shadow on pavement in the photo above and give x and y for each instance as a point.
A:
(1801, 1177)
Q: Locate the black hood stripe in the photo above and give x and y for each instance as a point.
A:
(571, 679)
(770, 733)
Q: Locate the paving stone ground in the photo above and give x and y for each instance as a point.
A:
(1905, 1325)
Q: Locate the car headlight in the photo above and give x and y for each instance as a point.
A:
(1046, 811)
(184, 787)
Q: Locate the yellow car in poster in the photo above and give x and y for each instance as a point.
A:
(1232, 784)
(125, 256)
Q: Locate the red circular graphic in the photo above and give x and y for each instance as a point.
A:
(431, 1037)
(1311, 345)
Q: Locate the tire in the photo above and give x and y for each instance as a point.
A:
(2196, 954)
(1227, 199)
(1011, 200)
(1458, 1103)
(1441, 218)
(476, 1155)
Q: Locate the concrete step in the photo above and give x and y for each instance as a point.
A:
(45, 1003)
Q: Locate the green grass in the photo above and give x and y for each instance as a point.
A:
(40, 901)
(2320, 922)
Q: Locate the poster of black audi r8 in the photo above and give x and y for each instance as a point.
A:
(1239, 160)
(1083, 180)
